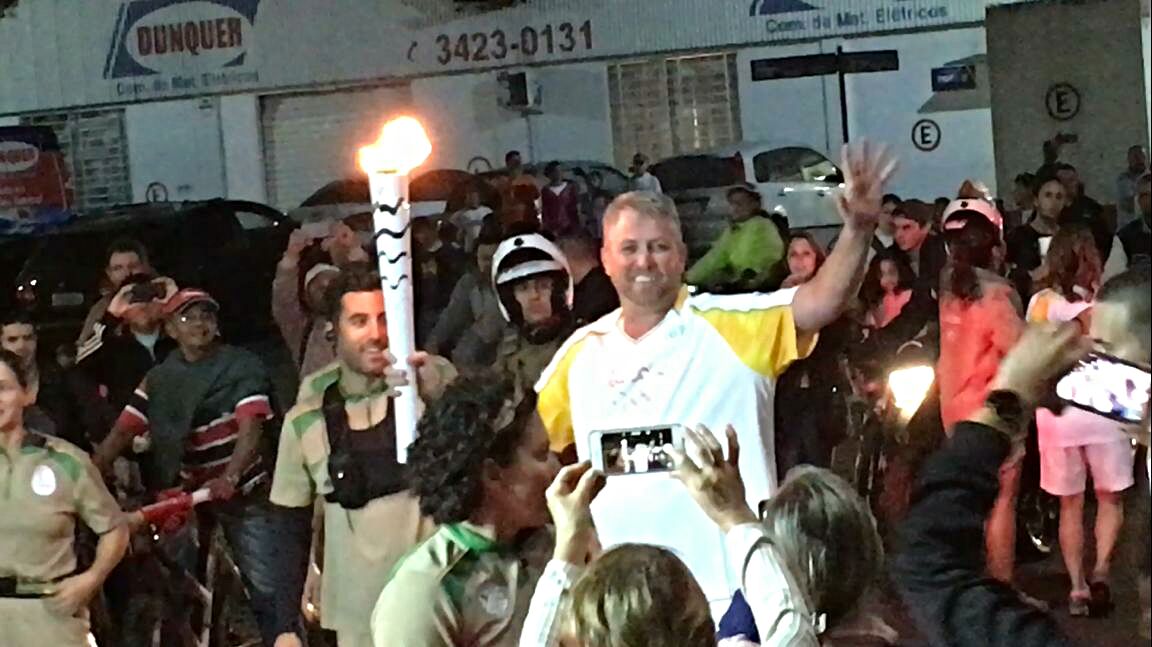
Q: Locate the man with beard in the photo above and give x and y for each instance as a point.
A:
(339, 443)
(670, 358)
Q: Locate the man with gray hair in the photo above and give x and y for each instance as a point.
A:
(670, 358)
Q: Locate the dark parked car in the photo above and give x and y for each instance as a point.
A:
(228, 247)
(14, 251)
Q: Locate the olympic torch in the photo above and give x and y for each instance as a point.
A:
(402, 146)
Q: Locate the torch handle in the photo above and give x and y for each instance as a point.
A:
(392, 224)
(157, 512)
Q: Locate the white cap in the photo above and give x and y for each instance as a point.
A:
(317, 270)
(975, 205)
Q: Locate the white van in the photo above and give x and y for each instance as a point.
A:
(795, 180)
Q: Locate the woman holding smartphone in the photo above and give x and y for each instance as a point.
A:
(1076, 442)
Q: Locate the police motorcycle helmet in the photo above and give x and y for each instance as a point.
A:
(528, 256)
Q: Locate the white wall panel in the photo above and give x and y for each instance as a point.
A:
(464, 119)
(175, 147)
(884, 106)
(243, 152)
(786, 110)
(1099, 59)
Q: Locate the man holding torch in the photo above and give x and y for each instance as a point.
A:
(347, 436)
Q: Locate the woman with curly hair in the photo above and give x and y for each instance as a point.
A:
(480, 465)
(1076, 443)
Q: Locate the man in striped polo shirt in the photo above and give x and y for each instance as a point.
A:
(202, 410)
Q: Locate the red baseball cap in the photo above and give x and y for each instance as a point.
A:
(186, 298)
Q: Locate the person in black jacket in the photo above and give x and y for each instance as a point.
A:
(436, 268)
(127, 341)
(593, 295)
(913, 238)
(53, 410)
(939, 566)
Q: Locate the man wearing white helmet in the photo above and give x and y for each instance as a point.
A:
(667, 358)
(534, 285)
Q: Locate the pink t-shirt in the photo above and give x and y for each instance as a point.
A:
(1074, 427)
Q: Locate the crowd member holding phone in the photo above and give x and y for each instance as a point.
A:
(1075, 442)
(670, 358)
(939, 566)
(49, 485)
(298, 289)
(127, 341)
(804, 567)
(125, 257)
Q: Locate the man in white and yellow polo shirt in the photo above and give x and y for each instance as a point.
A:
(669, 358)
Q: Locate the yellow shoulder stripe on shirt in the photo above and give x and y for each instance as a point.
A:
(1041, 303)
(758, 327)
(552, 401)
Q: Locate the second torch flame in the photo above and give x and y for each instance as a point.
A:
(402, 147)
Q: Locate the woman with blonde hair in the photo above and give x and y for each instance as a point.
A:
(639, 595)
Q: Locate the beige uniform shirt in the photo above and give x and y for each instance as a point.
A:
(361, 546)
(44, 488)
(522, 360)
(461, 588)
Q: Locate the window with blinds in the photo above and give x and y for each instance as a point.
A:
(96, 151)
(668, 106)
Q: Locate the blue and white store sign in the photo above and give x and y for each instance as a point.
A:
(182, 46)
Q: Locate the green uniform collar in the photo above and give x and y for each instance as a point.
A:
(469, 537)
(357, 385)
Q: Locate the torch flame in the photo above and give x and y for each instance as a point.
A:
(402, 146)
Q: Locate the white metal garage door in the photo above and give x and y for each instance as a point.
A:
(311, 139)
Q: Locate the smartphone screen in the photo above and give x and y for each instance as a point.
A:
(1107, 386)
(634, 451)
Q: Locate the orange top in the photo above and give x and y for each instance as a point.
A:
(974, 338)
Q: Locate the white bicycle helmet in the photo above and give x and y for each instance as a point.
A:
(520, 257)
(979, 206)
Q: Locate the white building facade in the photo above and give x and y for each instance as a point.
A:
(268, 99)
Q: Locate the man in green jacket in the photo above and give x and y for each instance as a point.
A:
(747, 255)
